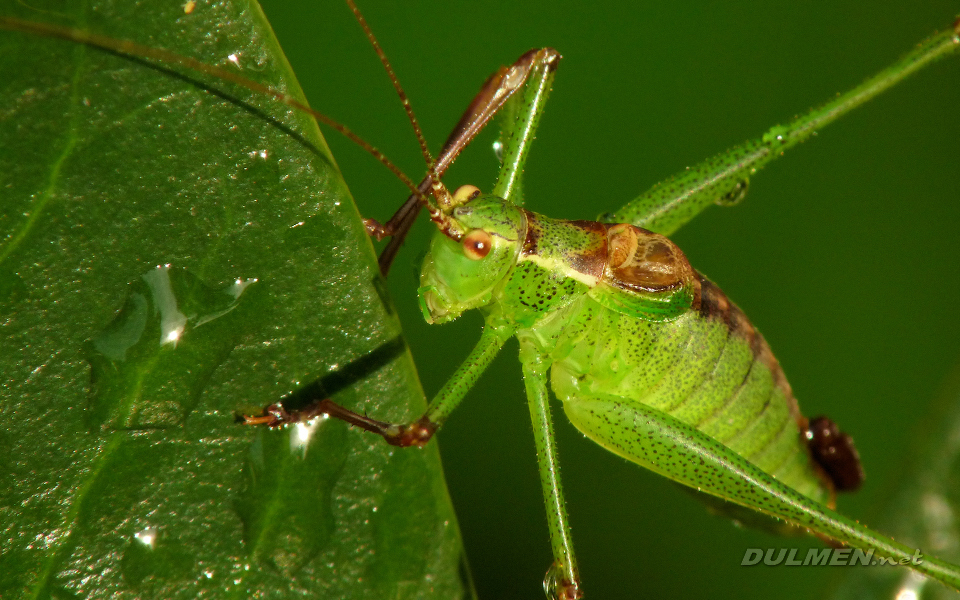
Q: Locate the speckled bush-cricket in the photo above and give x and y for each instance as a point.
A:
(680, 301)
(649, 357)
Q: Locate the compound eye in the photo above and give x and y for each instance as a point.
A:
(477, 244)
(464, 193)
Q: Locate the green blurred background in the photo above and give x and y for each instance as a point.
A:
(844, 254)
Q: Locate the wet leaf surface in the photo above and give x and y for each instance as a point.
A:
(169, 257)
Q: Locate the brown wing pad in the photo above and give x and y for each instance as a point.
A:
(643, 261)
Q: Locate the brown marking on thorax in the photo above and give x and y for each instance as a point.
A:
(589, 261)
(531, 242)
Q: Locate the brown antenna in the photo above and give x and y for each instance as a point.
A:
(494, 93)
(427, 157)
(126, 47)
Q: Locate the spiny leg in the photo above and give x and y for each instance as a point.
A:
(416, 432)
(681, 452)
(520, 121)
(722, 179)
(562, 580)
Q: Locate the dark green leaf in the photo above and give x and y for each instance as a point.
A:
(171, 256)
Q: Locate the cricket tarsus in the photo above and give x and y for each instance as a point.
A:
(416, 433)
(556, 587)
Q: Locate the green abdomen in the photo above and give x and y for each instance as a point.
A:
(709, 368)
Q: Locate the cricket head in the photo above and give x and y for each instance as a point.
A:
(468, 259)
